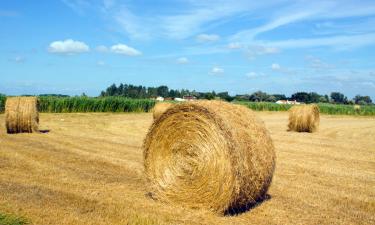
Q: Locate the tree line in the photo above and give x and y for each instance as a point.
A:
(134, 91)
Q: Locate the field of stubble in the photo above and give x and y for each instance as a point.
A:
(88, 169)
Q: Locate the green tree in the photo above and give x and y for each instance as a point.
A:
(279, 97)
(162, 91)
(301, 97)
(259, 96)
(225, 95)
(362, 100)
(2, 102)
(338, 97)
(111, 90)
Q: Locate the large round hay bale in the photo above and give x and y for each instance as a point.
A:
(209, 154)
(21, 114)
(160, 108)
(304, 118)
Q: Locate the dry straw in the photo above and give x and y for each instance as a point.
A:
(21, 114)
(209, 154)
(160, 108)
(304, 118)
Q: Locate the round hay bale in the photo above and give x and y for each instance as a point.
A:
(160, 108)
(304, 118)
(21, 114)
(209, 154)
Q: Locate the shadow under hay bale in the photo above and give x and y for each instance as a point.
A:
(304, 118)
(21, 115)
(160, 108)
(210, 155)
(247, 207)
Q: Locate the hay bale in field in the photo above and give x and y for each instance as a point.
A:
(209, 154)
(160, 108)
(21, 114)
(304, 118)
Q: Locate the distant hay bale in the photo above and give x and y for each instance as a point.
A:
(209, 154)
(304, 118)
(160, 108)
(21, 114)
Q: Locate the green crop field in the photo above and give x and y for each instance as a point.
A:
(6, 219)
(325, 108)
(87, 104)
(122, 104)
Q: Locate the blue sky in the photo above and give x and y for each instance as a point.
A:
(278, 46)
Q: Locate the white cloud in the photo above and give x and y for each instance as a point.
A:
(207, 37)
(275, 67)
(342, 42)
(259, 50)
(198, 14)
(182, 60)
(281, 21)
(125, 50)
(284, 70)
(297, 11)
(252, 75)
(79, 6)
(68, 46)
(235, 45)
(217, 70)
(136, 27)
(317, 63)
(102, 48)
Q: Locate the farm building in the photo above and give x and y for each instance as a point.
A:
(179, 99)
(189, 97)
(287, 102)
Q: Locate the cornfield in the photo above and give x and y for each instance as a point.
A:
(87, 104)
(2, 103)
(325, 108)
(122, 104)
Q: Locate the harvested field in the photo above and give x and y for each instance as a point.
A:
(89, 170)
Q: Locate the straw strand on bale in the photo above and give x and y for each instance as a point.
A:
(21, 114)
(304, 118)
(209, 154)
(160, 108)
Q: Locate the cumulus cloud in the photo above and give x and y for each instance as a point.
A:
(68, 46)
(217, 70)
(182, 60)
(275, 67)
(207, 37)
(125, 50)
